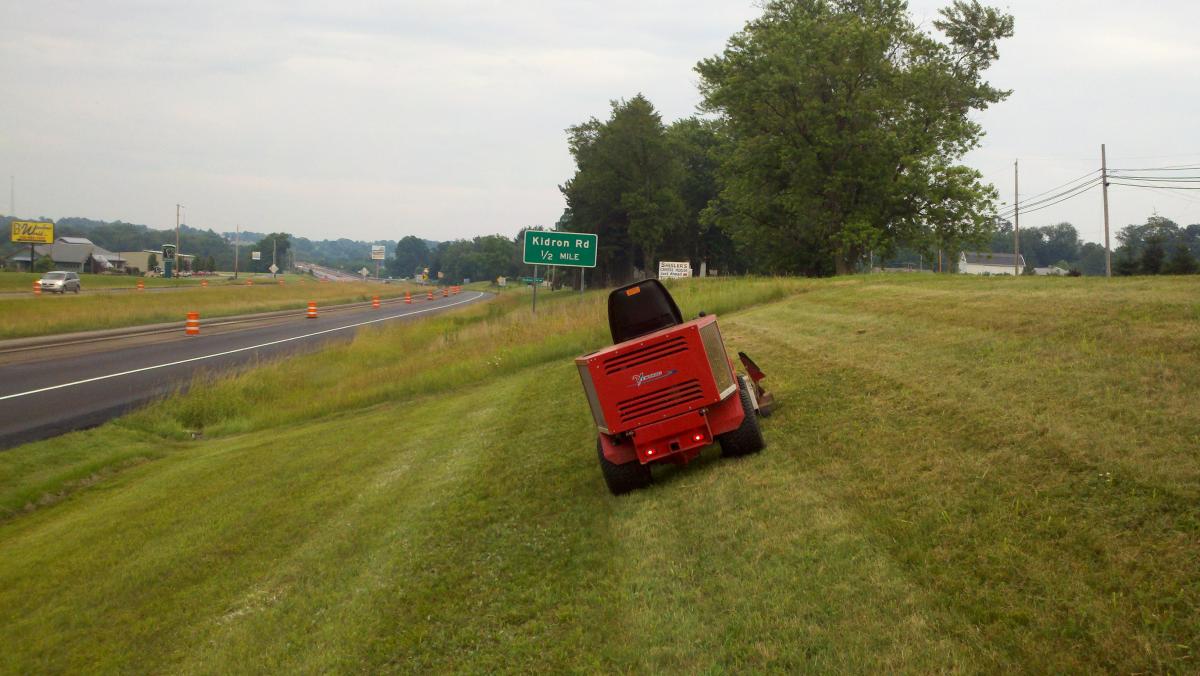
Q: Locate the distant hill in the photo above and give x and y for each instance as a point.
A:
(342, 253)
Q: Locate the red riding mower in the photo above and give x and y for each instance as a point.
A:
(666, 389)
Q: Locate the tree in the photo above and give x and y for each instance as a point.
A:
(43, 263)
(1182, 261)
(412, 254)
(846, 121)
(625, 187)
(280, 243)
(152, 261)
(1091, 259)
(698, 144)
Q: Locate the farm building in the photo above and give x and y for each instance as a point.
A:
(987, 263)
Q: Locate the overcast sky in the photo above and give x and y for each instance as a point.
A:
(375, 120)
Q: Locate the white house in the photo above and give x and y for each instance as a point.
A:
(985, 263)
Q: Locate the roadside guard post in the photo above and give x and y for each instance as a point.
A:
(312, 309)
(375, 302)
(193, 323)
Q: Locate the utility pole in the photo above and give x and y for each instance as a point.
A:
(274, 246)
(12, 198)
(177, 259)
(1016, 221)
(1104, 189)
(237, 244)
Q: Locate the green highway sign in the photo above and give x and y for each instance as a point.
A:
(573, 249)
(532, 280)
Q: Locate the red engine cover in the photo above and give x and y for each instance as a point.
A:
(657, 376)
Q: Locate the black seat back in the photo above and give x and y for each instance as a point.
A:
(640, 308)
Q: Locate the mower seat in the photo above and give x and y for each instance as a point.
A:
(640, 308)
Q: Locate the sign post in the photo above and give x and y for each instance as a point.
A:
(168, 256)
(32, 232)
(378, 253)
(674, 269)
(564, 249)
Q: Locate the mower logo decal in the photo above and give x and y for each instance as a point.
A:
(643, 378)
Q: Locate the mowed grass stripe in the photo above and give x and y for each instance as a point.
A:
(1043, 524)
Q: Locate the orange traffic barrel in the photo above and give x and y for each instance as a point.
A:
(281, 282)
(312, 309)
(430, 295)
(445, 292)
(408, 297)
(249, 282)
(204, 282)
(193, 323)
(37, 288)
(375, 302)
(141, 285)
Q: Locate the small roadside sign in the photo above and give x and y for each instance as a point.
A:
(33, 232)
(256, 255)
(274, 268)
(571, 249)
(674, 269)
(502, 281)
(378, 252)
(364, 272)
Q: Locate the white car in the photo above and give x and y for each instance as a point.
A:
(59, 282)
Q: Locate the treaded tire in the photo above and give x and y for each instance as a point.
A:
(747, 439)
(623, 478)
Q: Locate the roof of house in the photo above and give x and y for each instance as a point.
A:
(987, 258)
(76, 250)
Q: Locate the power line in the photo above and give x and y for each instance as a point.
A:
(1030, 210)
(1175, 167)
(1157, 187)
(1167, 179)
(1074, 180)
(1183, 196)
(1037, 205)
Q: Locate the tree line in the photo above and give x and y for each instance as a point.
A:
(1158, 246)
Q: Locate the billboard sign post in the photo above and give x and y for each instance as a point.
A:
(378, 253)
(32, 232)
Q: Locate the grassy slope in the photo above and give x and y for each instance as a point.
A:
(30, 315)
(964, 474)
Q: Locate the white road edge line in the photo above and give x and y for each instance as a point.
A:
(240, 349)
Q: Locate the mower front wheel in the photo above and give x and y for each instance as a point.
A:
(623, 478)
(747, 438)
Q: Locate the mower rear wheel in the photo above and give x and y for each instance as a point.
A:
(623, 478)
(747, 438)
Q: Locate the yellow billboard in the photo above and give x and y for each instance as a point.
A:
(33, 232)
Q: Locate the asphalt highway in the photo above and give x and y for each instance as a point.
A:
(53, 390)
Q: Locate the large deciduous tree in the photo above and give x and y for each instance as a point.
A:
(625, 187)
(846, 123)
(412, 255)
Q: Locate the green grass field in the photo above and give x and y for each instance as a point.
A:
(963, 475)
(29, 315)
